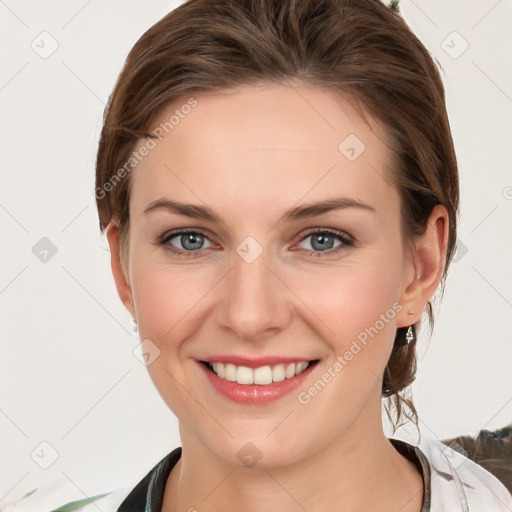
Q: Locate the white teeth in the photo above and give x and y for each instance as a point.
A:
(230, 372)
(262, 375)
(301, 367)
(290, 371)
(244, 375)
(278, 373)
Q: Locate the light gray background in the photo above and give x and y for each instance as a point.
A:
(68, 374)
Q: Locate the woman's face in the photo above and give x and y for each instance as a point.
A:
(259, 283)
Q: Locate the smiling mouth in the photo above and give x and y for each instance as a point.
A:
(263, 375)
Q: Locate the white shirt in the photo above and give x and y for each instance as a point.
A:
(459, 484)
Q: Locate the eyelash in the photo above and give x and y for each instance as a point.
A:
(345, 239)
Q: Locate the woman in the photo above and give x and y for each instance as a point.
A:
(279, 189)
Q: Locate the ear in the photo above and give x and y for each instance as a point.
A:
(121, 279)
(426, 267)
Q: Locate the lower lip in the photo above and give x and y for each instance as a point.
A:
(256, 393)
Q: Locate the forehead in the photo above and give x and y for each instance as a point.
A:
(256, 142)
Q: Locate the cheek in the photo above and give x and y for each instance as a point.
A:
(166, 300)
(353, 308)
(339, 301)
(351, 296)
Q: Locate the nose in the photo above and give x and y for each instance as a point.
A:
(256, 302)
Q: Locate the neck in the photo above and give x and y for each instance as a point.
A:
(360, 470)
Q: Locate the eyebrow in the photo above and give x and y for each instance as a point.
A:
(301, 212)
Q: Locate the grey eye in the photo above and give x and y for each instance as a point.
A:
(188, 240)
(323, 241)
(191, 241)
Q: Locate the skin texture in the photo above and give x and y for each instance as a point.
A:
(250, 155)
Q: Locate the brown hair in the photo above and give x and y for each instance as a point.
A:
(361, 49)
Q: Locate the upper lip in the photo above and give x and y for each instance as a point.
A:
(255, 362)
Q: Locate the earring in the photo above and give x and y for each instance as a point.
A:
(409, 336)
(135, 328)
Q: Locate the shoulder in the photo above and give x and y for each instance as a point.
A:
(456, 481)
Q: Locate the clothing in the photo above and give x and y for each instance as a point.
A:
(149, 493)
(452, 483)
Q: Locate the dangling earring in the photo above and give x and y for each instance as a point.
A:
(409, 336)
(135, 328)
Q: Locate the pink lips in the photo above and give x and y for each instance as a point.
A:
(255, 393)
